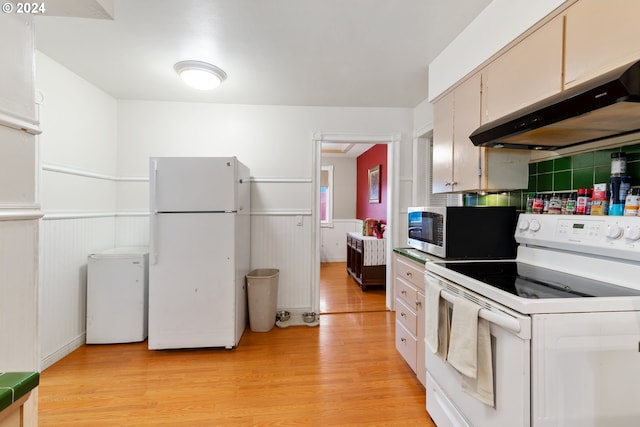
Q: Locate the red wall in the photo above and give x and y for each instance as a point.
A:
(376, 155)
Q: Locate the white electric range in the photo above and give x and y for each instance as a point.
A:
(564, 324)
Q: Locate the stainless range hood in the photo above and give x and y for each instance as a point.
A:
(604, 107)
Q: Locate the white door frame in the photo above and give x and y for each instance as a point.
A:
(393, 146)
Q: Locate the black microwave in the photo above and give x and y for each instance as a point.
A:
(463, 232)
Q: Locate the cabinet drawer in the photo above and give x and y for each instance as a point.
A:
(421, 371)
(405, 292)
(406, 316)
(406, 345)
(410, 271)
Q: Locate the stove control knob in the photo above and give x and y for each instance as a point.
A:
(523, 225)
(614, 231)
(534, 225)
(632, 233)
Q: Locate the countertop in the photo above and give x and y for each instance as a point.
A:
(416, 255)
(14, 385)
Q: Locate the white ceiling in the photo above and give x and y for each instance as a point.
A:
(352, 53)
(344, 149)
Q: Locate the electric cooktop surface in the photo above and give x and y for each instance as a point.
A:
(530, 281)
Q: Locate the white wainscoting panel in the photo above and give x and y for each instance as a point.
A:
(18, 295)
(132, 229)
(333, 247)
(65, 245)
(277, 241)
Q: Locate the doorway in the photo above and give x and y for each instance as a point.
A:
(339, 293)
(334, 290)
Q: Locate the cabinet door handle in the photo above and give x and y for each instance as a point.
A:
(403, 314)
(403, 292)
(409, 274)
(418, 304)
(403, 339)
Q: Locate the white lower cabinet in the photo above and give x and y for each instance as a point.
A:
(409, 299)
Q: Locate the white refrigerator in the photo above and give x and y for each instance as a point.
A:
(117, 296)
(198, 251)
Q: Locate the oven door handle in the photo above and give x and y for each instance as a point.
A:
(505, 322)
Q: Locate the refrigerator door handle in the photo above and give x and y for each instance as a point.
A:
(153, 246)
(153, 255)
(246, 181)
(154, 186)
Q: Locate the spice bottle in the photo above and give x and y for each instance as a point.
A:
(538, 204)
(529, 205)
(545, 200)
(582, 203)
(571, 204)
(555, 205)
(564, 198)
(631, 203)
(618, 164)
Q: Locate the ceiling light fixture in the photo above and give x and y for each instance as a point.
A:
(200, 75)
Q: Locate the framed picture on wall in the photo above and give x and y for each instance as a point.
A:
(374, 184)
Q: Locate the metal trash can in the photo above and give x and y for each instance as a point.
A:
(262, 288)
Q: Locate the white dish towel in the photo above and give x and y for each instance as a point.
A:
(470, 350)
(437, 319)
(482, 386)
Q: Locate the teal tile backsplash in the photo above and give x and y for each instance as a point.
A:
(562, 164)
(581, 170)
(563, 175)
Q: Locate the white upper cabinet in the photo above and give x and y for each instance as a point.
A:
(581, 41)
(456, 161)
(600, 36)
(442, 158)
(526, 73)
(466, 156)
(460, 166)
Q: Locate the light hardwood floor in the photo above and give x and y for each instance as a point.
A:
(339, 293)
(346, 372)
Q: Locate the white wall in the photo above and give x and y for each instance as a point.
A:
(19, 211)
(275, 142)
(423, 118)
(78, 197)
(344, 186)
(333, 243)
(496, 26)
(333, 247)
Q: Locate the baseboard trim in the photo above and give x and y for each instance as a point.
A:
(62, 352)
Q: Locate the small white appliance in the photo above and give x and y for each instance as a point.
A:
(199, 251)
(117, 296)
(564, 321)
(444, 231)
